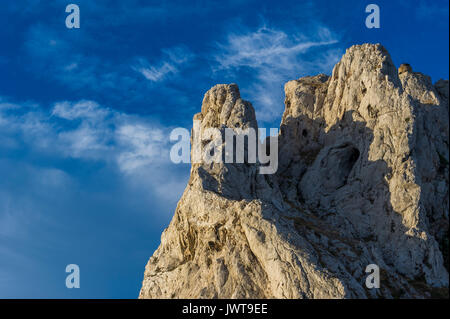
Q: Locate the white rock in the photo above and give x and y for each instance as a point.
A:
(361, 154)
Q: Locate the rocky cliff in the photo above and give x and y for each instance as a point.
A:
(362, 179)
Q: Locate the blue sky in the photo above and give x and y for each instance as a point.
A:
(85, 115)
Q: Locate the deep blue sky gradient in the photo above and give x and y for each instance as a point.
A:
(85, 114)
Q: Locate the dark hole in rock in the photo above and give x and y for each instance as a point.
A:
(305, 133)
(338, 165)
(350, 159)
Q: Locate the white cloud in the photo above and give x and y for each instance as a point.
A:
(274, 57)
(156, 73)
(266, 47)
(86, 130)
(173, 59)
(84, 142)
(67, 61)
(82, 109)
(141, 146)
(135, 147)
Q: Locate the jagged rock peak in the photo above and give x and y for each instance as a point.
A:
(405, 67)
(222, 105)
(362, 179)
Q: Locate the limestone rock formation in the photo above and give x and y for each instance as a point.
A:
(405, 67)
(362, 179)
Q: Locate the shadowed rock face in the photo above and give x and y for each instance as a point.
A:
(362, 179)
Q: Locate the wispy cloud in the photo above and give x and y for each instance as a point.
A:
(68, 61)
(141, 146)
(133, 150)
(172, 60)
(273, 57)
(80, 110)
(68, 167)
(267, 47)
(86, 130)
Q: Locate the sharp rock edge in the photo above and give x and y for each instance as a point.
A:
(362, 179)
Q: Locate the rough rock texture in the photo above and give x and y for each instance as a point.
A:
(362, 179)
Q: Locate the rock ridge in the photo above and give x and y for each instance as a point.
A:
(362, 179)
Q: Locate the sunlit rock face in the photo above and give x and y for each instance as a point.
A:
(362, 179)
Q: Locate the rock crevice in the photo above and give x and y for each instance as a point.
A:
(362, 179)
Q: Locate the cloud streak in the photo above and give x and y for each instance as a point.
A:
(173, 59)
(266, 47)
(85, 130)
(72, 171)
(272, 57)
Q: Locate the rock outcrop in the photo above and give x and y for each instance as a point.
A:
(362, 179)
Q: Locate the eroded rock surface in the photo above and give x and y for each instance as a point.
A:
(362, 179)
